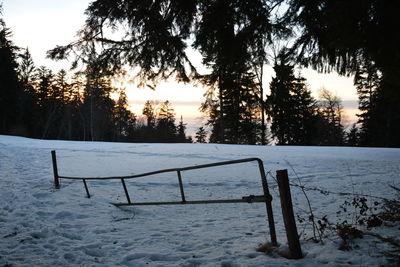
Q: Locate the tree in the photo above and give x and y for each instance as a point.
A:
(353, 136)
(375, 109)
(181, 132)
(124, 120)
(148, 111)
(291, 108)
(26, 75)
(97, 103)
(10, 87)
(239, 103)
(166, 129)
(360, 43)
(230, 35)
(201, 135)
(331, 110)
(26, 69)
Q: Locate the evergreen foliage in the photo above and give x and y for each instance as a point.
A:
(234, 115)
(361, 43)
(201, 135)
(232, 38)
(296, 117)
(10, 87)
(37, 103)
(230, 35)
(291, 108)
(181, 132)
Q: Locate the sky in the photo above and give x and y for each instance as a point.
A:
(40, 25)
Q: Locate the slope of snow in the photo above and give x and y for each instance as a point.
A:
(41, 226)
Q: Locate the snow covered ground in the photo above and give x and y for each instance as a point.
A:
(41, 226)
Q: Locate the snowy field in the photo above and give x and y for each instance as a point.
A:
(41, 226)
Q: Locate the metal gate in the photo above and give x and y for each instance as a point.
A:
(265, 198)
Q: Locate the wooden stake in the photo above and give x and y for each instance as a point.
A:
(288, 215)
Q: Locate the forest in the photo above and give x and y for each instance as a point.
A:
(236, 40)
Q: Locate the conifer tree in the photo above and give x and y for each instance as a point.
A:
(291, 108)
(166, 128)
(124, 120)
(26, 74)
(353, 136)
(181, 132)
(97, 103)
(360, 43)
(46, 97)
(10, 87)
(201, 135)
(26, 70)
(149, 112)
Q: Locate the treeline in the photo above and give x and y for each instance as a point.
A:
(299, 119)
(294, 117)
(235, 39)
(37, 103)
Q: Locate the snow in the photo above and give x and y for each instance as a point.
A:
(42, 226)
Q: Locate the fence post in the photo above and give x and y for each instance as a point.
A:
(86, 188)
(181, 186)
(270, 215)
(55, 170)
(126, 191)
(288, 215)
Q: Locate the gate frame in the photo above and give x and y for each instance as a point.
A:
(266, 197)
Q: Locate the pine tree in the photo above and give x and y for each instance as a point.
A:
(26, 74)
(291, 107)
(10, 87)
(149, 112)
(26, 70)
(124, 119)
(166, 129)
(372, 107)
(353, 136)
(201, 135)
(46, 104)
(181, 132)
(360, 43)
(97, 103)
(235, 115)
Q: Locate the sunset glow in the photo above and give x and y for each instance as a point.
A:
(29, 22)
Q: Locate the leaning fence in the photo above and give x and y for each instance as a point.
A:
(265, 198)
